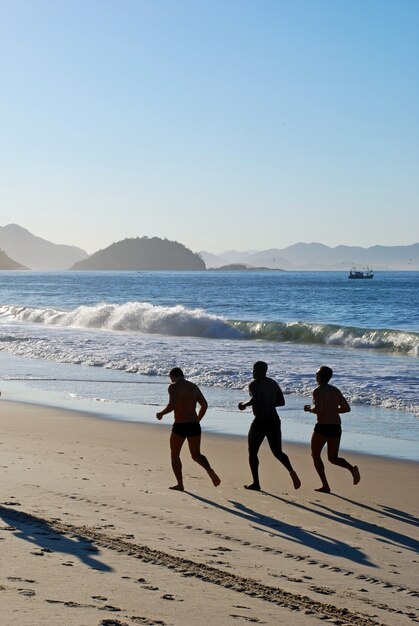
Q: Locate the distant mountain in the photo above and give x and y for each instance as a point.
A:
(236, 256)
(212, 260)
(143, 254)
(35, 252)
(225, 258)
(6, 263)
(316, 256)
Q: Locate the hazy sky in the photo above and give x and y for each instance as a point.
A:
(243, 124)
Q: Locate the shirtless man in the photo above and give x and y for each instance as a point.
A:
(328, 402)
(265, 396)
(183, 398)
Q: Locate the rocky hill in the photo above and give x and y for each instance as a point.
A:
(6, 263)
(35, 252)
(143, 254)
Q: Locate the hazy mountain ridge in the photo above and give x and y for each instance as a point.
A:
(6, 263)
(37, 253)
(143, 254)
(316, 256)
(23, 250)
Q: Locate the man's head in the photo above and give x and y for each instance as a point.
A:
(259, 369)
(324, 374)
(176, 373)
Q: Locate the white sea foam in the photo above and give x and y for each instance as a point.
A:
(97, 335)
(133, 317)
(180, 321)
(141, 339)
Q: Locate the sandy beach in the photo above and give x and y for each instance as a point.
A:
(91, 535)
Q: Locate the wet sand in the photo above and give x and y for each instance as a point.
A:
(90, 533)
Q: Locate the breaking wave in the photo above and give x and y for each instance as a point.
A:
(397, 341)
(132, 317)
(179, 321)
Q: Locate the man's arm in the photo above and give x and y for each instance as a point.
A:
(343, 405)
(167, 409)
(313, 408)
(280, 400)
(170, 406)
(203, 405)
(249, 402)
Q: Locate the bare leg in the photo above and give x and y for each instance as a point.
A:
(317, 444)
(275, 444)
(176, 444)
(194, 444)
(332, 454)
(254, 438)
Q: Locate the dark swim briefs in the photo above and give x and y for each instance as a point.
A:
(332, 431)
(186, 429)
(266, 426)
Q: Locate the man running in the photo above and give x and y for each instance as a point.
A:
(328, 402)
(183, 398)
(265, 396)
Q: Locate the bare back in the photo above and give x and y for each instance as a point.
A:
(328, 402)
(184, 396)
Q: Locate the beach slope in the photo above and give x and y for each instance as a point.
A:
(91, 534)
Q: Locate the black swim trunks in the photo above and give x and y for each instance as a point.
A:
(186, 429)
(332, 431)
(266, 426)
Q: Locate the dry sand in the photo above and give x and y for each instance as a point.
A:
(90, 534)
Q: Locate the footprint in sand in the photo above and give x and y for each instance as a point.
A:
(146, 621)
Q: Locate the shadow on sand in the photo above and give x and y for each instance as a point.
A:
(282, 530)
(39, 533)
(381, 533)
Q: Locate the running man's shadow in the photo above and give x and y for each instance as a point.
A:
(382, 533)
(400, 516)
(388, 511)
(282, 530)
(39, 533)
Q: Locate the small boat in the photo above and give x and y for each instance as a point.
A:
(361, 274)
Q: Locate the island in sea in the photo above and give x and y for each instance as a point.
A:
(143, 254)
(241, 267)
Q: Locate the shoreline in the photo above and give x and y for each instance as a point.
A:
(101, 415)
(217, 421)
(90, 531)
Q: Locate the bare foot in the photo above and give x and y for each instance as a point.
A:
(177, 488)
(215, 479)
(252, 487)
(295, 480)
(323, 490)
(356, 475)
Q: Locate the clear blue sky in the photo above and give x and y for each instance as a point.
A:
(221, 124)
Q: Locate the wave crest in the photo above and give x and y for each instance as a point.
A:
(133, 317)
(329, 334)
(179, 321)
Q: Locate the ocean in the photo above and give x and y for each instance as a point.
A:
(105, 342)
